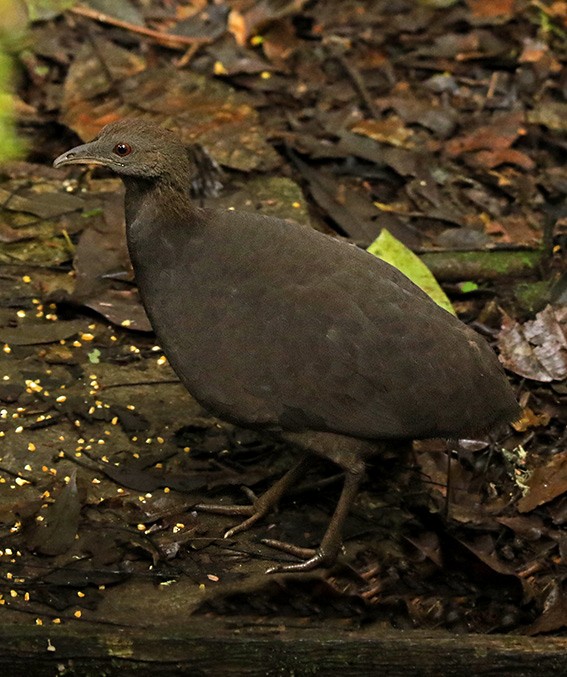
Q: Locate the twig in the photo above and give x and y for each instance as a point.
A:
(132, 384)
(166, 39)
(358, 82)
(449, 485)
(185, 60)
(96, 51)
(492, 86)
(336, 50)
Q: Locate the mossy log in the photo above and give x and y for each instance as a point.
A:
(455, 266)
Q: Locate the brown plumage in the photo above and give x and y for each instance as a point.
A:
(274, 325)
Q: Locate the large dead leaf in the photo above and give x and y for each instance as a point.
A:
(552, 114)
(55, 534)
(45, 205)
(487, 9)
(439, 118)
(101, 256)
(554, 616)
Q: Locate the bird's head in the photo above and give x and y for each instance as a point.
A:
(133, 148)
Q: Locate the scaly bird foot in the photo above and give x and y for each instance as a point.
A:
(259, 508)
(260, 505)
(314, 558)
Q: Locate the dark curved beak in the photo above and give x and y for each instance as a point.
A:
(80, 155)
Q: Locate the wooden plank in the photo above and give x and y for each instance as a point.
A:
(205, 647)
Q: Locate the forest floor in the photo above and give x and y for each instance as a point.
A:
(444, 126)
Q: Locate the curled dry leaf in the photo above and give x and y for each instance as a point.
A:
(530, 419)
(554, 616)
(490, 159)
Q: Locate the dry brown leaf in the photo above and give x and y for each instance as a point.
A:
(497, 136)
(243, 25)
(483, 9)
(536, 349)
(552, 114)
(545, 483)
(390, 130)
(493, 158)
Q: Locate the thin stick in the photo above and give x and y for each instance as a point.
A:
(166, 39)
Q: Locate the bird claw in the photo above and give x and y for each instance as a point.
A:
(314, 559)
(316, 562)
(246, 524)
(254, 512)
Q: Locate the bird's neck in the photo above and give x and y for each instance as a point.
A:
(158, 199)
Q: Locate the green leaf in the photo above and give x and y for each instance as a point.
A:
(10, 146)
(391, 250)
(468, 286)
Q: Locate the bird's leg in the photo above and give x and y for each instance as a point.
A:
(349, 453)
(262, 505)
(327, 552)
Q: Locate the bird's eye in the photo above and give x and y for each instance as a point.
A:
(122, 149)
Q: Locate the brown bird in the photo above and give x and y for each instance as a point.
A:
(272, 325)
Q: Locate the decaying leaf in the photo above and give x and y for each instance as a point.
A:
(56, 533)
(498, 136)
(244, 24)
(545, 483)
(552, 114)
(536, 349)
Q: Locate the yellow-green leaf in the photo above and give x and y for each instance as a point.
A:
(391, 250)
